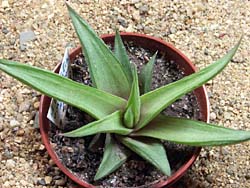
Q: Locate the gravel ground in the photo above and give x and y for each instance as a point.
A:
(36, 32)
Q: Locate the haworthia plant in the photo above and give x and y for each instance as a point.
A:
(128, 114)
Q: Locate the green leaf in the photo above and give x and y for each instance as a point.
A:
(110, 124)
(95, 102)
(146, 74)
(129, 118)
(154, 102)
(121, 54)
(151, 150)
(190, 132)
(114, 156)
(132, 113)
(105, 70)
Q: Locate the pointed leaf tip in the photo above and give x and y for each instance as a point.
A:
(121, 55)
(190, 132)
(146, 75)
(114, 156)
(132, 113)
(151, 150)
(153, 102)
(106, 72)
(98, 104)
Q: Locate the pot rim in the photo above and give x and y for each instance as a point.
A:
(200, 92)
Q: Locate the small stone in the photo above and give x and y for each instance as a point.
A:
(57, 177)
(36, 121)
(12, 41)
(123, 22)
(5, 30)
(24, 106)
(7, 154)
(210, 82)
(25, 37)
(41, 147)
(44, 6)
(25, 91)
(23, 183)
(51, 162)
(213, 116)
(48, 180)
(19, 117)
(136, 16)
(209, 178)
(206, 51)
(18, 139)
(147, 29)
(222, 102)
(67, 149)
(172, 30)
(41, 182)
(185, 107)
(210, 94)
(5, 4)
(139, 27)
(31, 116)
(135, 1)
(60, 182)
(230, 172)
(36, 105)
(19, 98)
(227, 115)
(10, 163)
(1, 127)
(247, 176)
(130, 29)
(224, 151)
(20, 132)
(6, 184)
(143, 9)
(35, 166)
(14, 123)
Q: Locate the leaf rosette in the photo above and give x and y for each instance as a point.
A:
(128, 113)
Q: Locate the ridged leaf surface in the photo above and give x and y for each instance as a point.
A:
(190, 132)
(132, 113)
(151, 150)
(114, 156)
(121, 54)
(95, 102)
(110, 124)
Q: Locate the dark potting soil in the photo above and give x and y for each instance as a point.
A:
(83, 161)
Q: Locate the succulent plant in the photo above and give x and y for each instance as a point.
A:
(129, 113)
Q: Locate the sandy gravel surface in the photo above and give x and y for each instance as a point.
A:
(203, 30)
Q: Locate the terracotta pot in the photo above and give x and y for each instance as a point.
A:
(171, 54)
